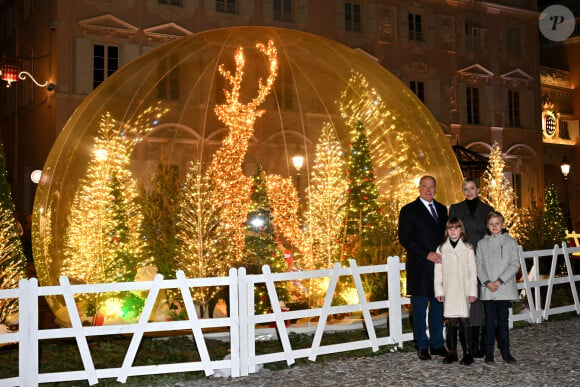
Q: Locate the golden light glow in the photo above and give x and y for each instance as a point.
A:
(326, 199)
(103, 238)
(232, 186)
(205, 249)
(498, 192)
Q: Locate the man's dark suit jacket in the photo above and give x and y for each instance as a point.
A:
(419, 234)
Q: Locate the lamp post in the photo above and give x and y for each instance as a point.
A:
(565, 168)
(298, 162)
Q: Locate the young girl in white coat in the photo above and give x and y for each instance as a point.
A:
(456, 287)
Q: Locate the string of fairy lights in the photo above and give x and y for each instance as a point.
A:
(103, 239)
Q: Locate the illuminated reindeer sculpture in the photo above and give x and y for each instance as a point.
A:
(232, 187)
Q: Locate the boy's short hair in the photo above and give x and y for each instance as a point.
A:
(494, 214)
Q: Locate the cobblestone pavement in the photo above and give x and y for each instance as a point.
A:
(548, 355)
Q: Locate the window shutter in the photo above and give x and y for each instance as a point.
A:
(128, 53)
(83, 66)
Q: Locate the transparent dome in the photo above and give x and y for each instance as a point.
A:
(161, 109)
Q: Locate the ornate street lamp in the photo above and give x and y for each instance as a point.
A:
(298, 162)
(565, 168)
(11, 73)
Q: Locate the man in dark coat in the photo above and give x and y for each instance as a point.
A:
(421, 230)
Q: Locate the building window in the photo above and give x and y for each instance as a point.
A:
(514, 108)
(175, 3)
(418, 88)
(415, 27)
(472, 105)
(168, 87)
(105, 62)
(284, 88)
(472, 33)
(227, 6)
(513, 41)
(283, 10)
(352, 17)
(563, 131)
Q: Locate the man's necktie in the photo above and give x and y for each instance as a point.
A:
(433, 213)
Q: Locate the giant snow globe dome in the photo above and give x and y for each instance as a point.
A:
(202, 115)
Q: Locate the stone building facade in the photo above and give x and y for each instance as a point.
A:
(474, 64)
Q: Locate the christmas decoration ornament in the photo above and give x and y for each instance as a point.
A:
(228, 99)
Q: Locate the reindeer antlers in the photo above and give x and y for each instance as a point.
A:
(263, 90)
(232, 98)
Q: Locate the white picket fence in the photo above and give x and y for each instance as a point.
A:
(241, 321)
(532, 281)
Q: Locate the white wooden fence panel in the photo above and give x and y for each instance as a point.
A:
(140, 328)
(242, 321)
(364, 305)
(277, 310)
(77, 326)
(324, 312)
(539, 311)
(572, 277)
(195, 327)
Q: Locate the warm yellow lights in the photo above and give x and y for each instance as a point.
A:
(326, 199)
(298, 162)
(498, 192)
(103, 240)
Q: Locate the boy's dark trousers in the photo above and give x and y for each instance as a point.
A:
(497, 312)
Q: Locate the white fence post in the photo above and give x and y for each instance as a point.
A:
(235, 328)
(27, 362)
(243, 316)
(394, 295)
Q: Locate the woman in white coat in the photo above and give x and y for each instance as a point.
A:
(456, 287)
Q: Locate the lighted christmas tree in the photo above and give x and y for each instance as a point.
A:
(362, 208)
(543, 226)
(261, 245)
(160, 205)
(392, 148)
(12, 258)
(205, 249)
(498, 192)
(326, 199)
(553, 225)
(103, 238)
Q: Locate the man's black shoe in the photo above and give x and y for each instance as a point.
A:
(508, 358)
(423, 354)
(439, 351)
